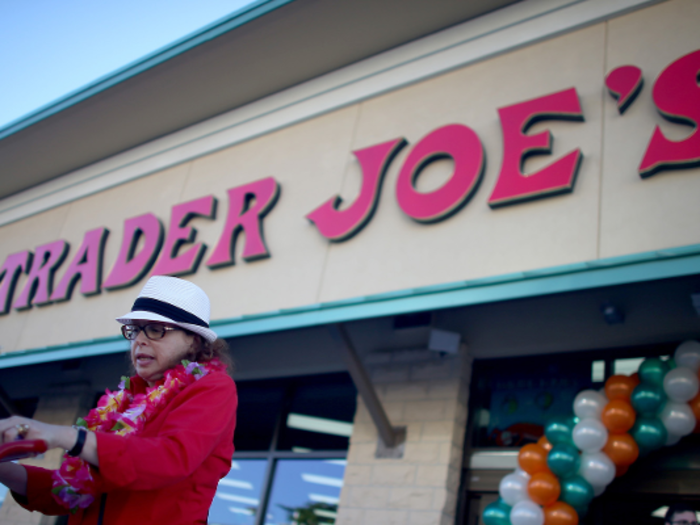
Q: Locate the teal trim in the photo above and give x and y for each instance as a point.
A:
(91, 347)
(649, 266)
(209, 32)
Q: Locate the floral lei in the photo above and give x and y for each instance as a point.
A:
(123, 414)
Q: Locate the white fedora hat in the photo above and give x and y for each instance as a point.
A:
(175, 301)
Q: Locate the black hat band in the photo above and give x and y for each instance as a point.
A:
(175, 313)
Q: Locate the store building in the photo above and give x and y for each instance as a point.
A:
(423, 227)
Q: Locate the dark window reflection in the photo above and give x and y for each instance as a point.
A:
(239, 493)
(305, 492)
(259, 406)
(320, 415)
(515, 399)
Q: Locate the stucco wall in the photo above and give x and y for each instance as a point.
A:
(612, 211)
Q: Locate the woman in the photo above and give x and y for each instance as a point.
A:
(153, 451)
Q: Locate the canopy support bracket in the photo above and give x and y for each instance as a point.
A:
(391, 438)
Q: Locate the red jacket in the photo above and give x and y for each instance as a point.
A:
(166, 475)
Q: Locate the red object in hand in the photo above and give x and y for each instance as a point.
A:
(22, 449)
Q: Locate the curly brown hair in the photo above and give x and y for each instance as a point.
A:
(203, 351)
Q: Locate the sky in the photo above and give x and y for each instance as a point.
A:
(49, 48)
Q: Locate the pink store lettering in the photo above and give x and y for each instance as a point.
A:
(146, 246)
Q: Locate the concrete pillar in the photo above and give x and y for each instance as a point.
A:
(428, 394)
(60, 405)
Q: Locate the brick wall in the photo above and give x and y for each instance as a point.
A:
(427, 394)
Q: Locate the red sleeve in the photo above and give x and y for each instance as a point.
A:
(200, 415)
(38, 498)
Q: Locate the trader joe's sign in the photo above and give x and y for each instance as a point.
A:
(146, 247)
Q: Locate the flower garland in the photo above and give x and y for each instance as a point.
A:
(123, 414)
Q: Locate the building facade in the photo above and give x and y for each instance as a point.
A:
(414, 255)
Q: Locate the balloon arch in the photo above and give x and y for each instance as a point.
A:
(579, 456)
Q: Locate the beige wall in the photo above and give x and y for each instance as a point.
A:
(611, 211)
(428, 395)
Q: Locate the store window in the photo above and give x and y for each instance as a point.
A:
(291, 442)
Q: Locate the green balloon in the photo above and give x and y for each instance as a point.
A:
(563, 460)
(581, 511)
(576, 491)
(652, 370)
(496, 513)
(649, 433)
(647, 398)
(558, 430)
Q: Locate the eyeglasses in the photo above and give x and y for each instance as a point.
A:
(153, 331)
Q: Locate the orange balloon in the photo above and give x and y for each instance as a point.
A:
(695, 407)
(618, 416)
(635, 377)
(544, 488)
(560, 513)
(620, 387)
(621, 470)
(533, 459)
(544, 443)
(622, 449)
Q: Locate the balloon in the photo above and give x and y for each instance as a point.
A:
(649, 433)
(544, 443)
(513, 488)
(597, 468)
(496, 513)
(688, 354)
(621, 470)
(543, 488)
(619, 387)
(681, 384)
(590, 435)
(622, 449)
(558, 430)
(521, 472)
(672, 439)
(589, 403)
(694, 405)
(635, 377)
(526, 513)
(560, 513)
(563, 460)
(647, 398)
(618, 416)
(532, 459)
(652, 370)
(678, 418)
(598, 489)
(581, 510)
(576, 491)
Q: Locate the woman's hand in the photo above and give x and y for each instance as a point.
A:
(56, 436)
(16, 427)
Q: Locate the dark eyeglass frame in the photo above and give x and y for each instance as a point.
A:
(152, 331)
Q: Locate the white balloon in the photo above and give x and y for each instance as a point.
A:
(590, 435)
(598, 489)
(597, 468)
(678, 418)
(681, 384)
(672, 439)
(521, 472)
(688, 354)
(526, 513)
(513, 488)
(589, 404)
